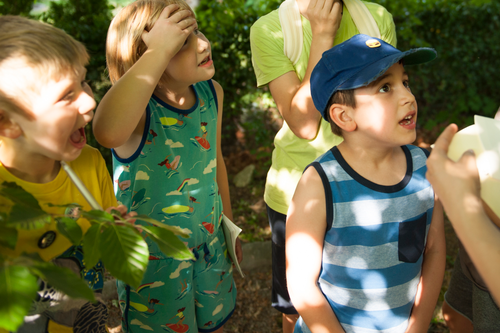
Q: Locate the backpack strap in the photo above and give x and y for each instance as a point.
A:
(291, 25)
(362, 18)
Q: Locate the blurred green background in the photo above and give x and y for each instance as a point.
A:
(463, 81)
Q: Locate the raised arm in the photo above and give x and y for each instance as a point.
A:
(305, 232)
(432, 274)
(292, 97)
(457, 185)
(119, 114)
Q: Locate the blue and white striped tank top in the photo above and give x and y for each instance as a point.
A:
(372, 253)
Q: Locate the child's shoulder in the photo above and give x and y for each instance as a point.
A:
(415, 150)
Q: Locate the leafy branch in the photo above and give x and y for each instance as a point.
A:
(116, 241)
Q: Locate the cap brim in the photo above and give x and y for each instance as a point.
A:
(375, 70)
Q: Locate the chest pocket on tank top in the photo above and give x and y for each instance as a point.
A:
(411, 239)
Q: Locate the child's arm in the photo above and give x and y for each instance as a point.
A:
(292, 96)
(432, 274)
(222, 181)
(120, 116)
(305, 232)
(457, 185)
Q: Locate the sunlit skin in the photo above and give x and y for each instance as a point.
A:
(193, 63)
(293, 96)
(177, 56)
(60, 110)
(458, 187)
(384, 119)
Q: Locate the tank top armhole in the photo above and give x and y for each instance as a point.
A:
(141, 145)
(212, 88)
(328, 193)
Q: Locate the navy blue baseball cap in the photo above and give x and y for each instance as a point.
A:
(356, 63)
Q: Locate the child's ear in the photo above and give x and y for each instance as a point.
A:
(8, 127)
(340, 115)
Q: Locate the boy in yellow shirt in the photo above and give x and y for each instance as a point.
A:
(45, 104)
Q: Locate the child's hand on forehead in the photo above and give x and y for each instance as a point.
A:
(170, 30)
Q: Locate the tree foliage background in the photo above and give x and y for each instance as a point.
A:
(461, 82)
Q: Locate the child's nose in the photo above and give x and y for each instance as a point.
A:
(407, 97)
(203, 44)
(86, 103)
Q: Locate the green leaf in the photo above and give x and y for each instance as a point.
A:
(70, 229)
(174, 229)
(91, 252)
(64, 206)
(26, 212)
(8, 237)
(98, 215)
(124, 253)
(18, 288)
(169, 243)
(63, 279)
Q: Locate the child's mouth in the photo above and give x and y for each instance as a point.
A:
(77, 138)
(406, 120)
(206, 60)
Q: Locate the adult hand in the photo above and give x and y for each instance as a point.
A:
(325, 17)
(170, 31)
(455, 183)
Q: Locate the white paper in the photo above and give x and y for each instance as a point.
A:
(231, 232)
(484, 139)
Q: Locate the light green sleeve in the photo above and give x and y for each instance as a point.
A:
(384, 21)
(266, 43)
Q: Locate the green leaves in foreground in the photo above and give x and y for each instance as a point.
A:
(18, 288)
(124, 253)
(26, 212)
(115, 240)
(122, 249)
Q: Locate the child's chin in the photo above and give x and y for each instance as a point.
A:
(71, 156)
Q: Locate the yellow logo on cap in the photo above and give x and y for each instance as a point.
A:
(372, 43)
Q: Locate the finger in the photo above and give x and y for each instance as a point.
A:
(181, 15)
(444, 140)
(336, 8)
(327, 5)
(313, 4)
(187, 23)
(122, 209)
(468, 159)
(167, 11)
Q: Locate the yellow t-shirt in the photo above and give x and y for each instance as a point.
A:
(91, 169)
(291, 154)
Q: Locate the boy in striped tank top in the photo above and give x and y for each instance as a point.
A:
(365, 239)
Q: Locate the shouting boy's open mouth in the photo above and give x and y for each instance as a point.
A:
(77, 138)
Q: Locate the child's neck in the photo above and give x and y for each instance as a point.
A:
(33, 168)
(381, 165)
(179, 97)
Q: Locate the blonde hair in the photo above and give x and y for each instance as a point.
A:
(36, 46)
(124, 45)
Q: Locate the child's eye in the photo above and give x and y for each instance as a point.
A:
(406, 83)
(385, 88)
(68, 96)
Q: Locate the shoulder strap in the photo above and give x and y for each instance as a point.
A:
(362, 18)
(291, 25)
